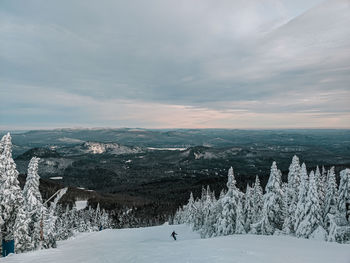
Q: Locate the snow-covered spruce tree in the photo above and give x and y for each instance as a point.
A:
(23, 240)
(258, 202)
(74, 219)
(64, 225)
(91, 213)
(332, 228)
(11, 196)
(97, 219)
(287, 224)
(291, 198)
(312, 211)
(211, 222)
(49, 221)
(239, 228)
(49, 228)
(207, 229)
(248, 208)
(83, 225)
(272, 216)
(198, 218)
(2, 143)
(344, 195)
(216, 212)
(302, 194)
(331, 198)
(190, 211)
(105, 222)
(321, 186)
(33, 201)
(226, 224)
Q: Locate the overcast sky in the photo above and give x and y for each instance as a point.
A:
(175, 64)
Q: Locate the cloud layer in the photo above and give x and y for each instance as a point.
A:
(156, 64)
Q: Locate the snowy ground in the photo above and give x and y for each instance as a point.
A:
(81, 204)
(154, 244)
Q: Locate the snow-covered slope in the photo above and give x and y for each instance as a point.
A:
(154, 244)
(112, 148)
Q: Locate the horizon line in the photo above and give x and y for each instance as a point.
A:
(141, 128)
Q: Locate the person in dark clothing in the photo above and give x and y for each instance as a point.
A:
(174, 235)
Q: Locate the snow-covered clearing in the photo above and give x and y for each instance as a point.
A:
(56, 178)
(154, 244)
(81, 204)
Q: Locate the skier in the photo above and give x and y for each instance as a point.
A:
(174, 235)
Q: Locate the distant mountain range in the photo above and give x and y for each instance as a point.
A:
(166, 165)
(180, 138)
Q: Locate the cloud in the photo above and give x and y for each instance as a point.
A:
(42, 108)
(175, 64)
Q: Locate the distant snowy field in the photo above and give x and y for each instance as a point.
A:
(154, 244)
(81, 204)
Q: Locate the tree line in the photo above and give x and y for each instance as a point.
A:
(308, 205)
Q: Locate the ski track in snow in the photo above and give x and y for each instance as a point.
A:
(154, 245)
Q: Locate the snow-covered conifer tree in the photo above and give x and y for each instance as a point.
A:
(23, 239)
(2, 143)
(321, 187)
(344, 194)
(291, 195)
(331, 198)
(104, 220)
(272, 217)
(33, 201)
(257, 201)
(287, 223)
(209, 221)
(217, 212)
(302, 194)
(227, 219)
(63, 225)
(190, 210)
(239, 228)
(312, 211)
(31, 191)
(49, 221)
(97, 220)
(11, 196)
(248, 208)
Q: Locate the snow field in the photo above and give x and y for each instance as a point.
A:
(81, 204)
(154, 245)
